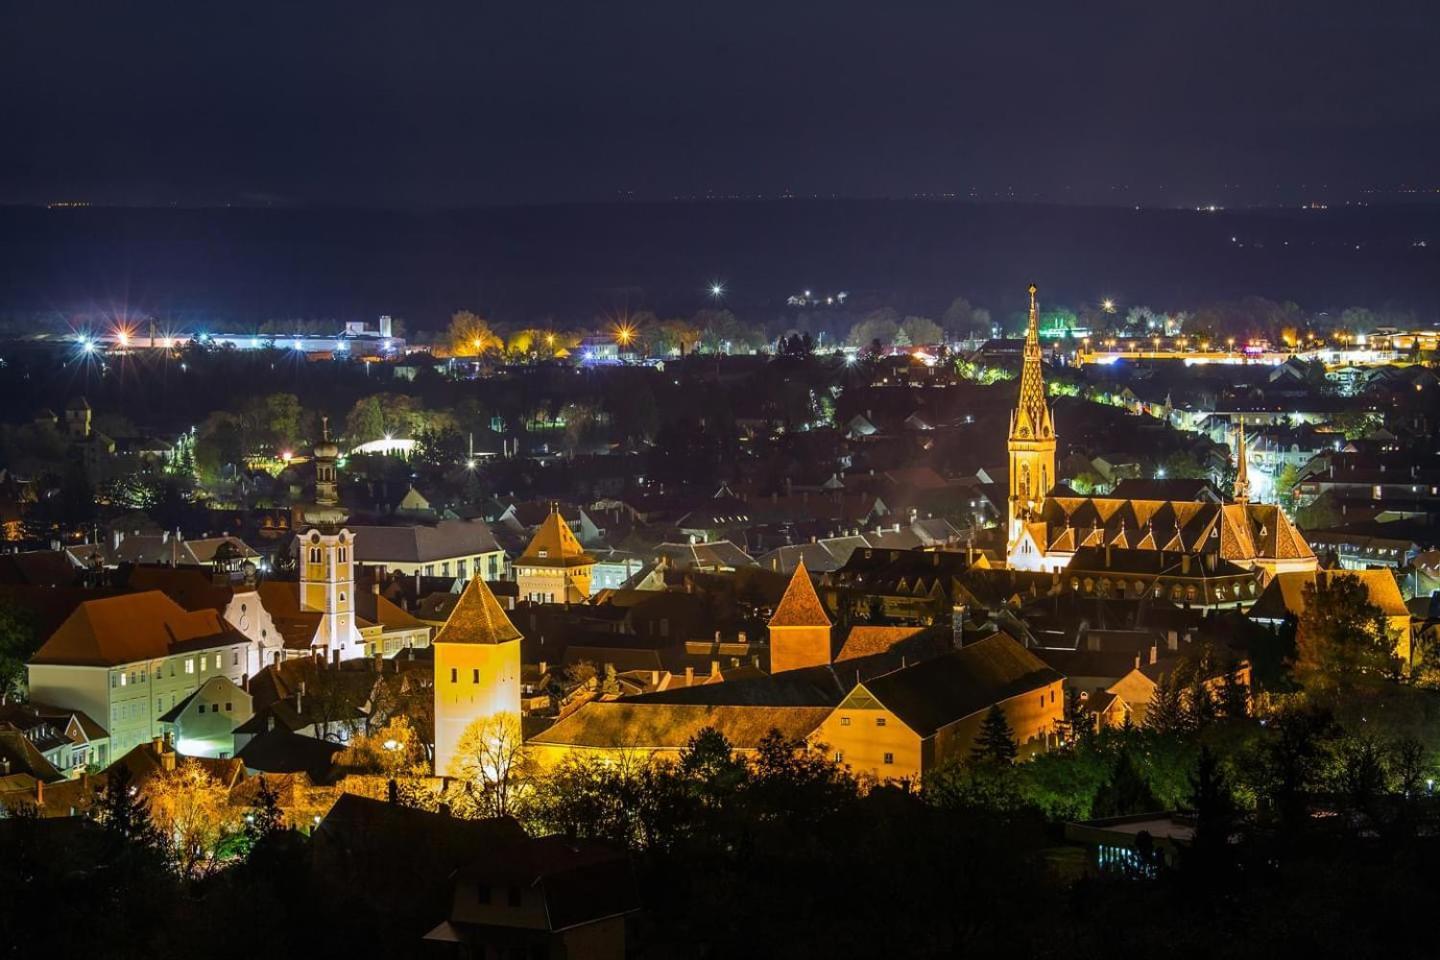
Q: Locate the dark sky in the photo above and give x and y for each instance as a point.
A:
(424, 102)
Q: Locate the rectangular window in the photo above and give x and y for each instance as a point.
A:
(124, 679)
(172, 668)
(476, 677)
(227, 707)
(200, 709)
(159, 704)
(879, 721)
(190, 665)
(235, 658)
(844, 721)
(889, 758)
(454, 675)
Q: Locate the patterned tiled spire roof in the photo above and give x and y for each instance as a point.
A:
(1031, 420)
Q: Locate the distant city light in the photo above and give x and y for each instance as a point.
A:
(1107, 305)
(717, 290)
(470, 464)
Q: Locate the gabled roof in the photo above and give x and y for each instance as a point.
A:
(935, 693)
(131, 627)
(478, 618)
(800, 606)
(554, 544)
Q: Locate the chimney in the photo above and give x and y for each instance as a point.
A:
(417, 583)
(543, 667)
(39, 793)
(1154, 653)
(1137, 661)
(714, 668)
(158, 745)
(689, 676)
(717, 636)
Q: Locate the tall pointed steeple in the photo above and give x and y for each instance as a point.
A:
(1032, 414)
(1032, 443)
(1242, 467)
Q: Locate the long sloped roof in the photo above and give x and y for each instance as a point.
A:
(477, 618)
(656, 725)
(135, 626)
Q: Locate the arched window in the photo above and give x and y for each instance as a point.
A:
(1025, 481)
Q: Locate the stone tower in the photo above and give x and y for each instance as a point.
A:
(327, 560)
(477, 674)
(1032, 436)
(800, 628)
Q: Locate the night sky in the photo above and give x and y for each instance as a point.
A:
(432, 103)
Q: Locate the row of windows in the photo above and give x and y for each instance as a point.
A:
(317, 554)
(126, 678)
(455, 675)
(1138, 588)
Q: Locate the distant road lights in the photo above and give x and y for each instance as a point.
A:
(286, 456)
(476, 345)
(122, 336)
(1230, 343)
(549, 339)
(1159, 473)
(624, 333)
(87, 345)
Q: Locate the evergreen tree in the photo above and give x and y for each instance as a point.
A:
(266, 819)
(1215, 816)
(125, 816)
(995, 744)
(1126, 792)
(1166, 712)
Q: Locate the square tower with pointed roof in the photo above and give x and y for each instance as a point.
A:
(554, 568)
(477, 672)
(800, 627)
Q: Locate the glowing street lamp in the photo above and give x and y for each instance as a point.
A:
(1107, 305)
(624, 333)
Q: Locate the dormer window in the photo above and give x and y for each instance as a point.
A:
(542, 553)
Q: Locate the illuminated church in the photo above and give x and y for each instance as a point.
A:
(1047, 525)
